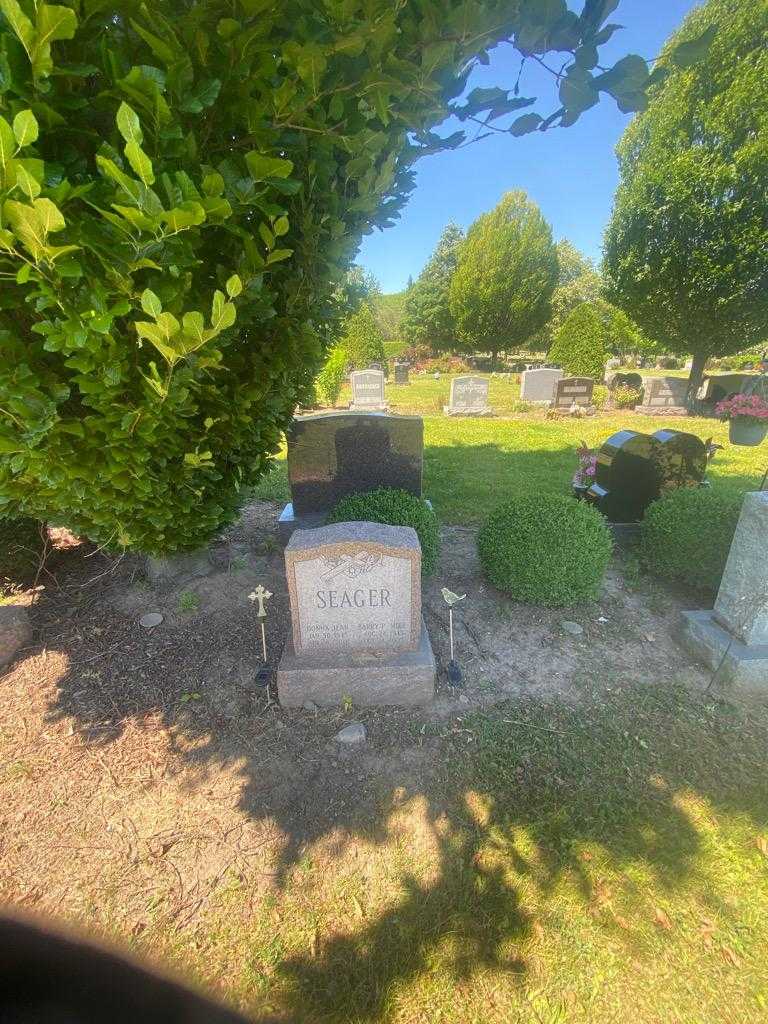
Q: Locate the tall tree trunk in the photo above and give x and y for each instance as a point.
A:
(695, 378)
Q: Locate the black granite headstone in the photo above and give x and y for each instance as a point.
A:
(401, 373)
(333, 455)
(625, 380)
(635, 469)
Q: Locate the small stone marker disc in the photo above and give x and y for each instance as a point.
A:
(150, 620)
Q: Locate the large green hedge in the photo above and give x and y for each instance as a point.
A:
(182, 188)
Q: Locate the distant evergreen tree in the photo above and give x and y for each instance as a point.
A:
(427, 317)
(501, 292)
(580, 344)
(362, 339)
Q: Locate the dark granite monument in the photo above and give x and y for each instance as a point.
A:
(635, 469)
(401, 373)
(625, 380)
(331, 455)
(571, 391)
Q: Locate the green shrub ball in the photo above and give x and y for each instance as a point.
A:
(687, 534)
(395, 508)
(545, 549)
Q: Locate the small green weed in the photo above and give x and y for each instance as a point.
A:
(188, 601)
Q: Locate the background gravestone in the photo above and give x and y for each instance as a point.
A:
(332, 455)
(625, 380)
(573, 391)
(634, 469)
(469, 397)
(368, 391)
(357, 629)
(664, 396)
(401, 373)
(539, 385)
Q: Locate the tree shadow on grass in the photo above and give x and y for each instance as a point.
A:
(549, 802)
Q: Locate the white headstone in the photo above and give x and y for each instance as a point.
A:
(367, 390)
(539, 385)
(469, 397)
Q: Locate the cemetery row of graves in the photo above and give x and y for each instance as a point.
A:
(254, 827)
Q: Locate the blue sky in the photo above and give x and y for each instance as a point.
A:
(571, 173)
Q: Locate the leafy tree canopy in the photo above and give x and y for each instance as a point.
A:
(183, 187)
(427, 317)
(685, 252)
(572, 263)
(502, 288)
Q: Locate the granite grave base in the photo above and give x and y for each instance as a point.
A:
(367, 678)
(742, 666)
(653, 410)
(468, 412)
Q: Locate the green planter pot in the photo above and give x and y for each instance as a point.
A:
(741, 431)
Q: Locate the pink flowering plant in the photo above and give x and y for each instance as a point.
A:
(585, 474)
(751, 408)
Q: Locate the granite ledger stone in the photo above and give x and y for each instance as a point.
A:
(332, 455)
(357, 630)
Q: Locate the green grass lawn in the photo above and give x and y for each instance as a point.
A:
(600, 862)
(472, 463)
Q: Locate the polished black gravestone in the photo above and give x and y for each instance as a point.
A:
(625, 380)
(635, 469)
(332, 455)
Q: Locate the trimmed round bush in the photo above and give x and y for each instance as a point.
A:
(395, 508)
(545, 549)
(686, 535)
(626, 397)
